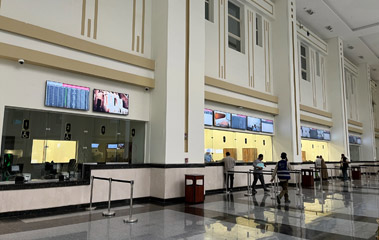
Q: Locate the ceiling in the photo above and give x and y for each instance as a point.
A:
(356, 22)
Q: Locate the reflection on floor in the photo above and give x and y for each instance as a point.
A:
(337, 211)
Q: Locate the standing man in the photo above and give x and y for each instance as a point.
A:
(258, 174)
(229, 164)
(282, 169)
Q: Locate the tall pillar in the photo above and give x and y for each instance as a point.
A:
(368, 149)
(336, 90)
(176, 120)
(287, 123)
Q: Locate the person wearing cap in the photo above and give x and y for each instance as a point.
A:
(208, 156)
(282, 170)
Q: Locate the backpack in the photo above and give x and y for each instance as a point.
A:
(283, 173)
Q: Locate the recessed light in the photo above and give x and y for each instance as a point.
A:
(329, 28)
(374, 69)
(310, 11)
(350, 47)
(361, 57)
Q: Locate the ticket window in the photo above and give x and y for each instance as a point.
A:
(312, 149)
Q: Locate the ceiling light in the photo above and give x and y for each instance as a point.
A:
(310, 11)
(374, 69)
(329, 28)
(361, 57)
(350, 47)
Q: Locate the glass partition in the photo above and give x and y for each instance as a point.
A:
(44, 144)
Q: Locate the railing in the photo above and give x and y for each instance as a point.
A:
(110, 213)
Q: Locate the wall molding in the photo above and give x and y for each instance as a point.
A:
(377, 130)
(356, 123)
(265, 6)
(312, 38)
(315, 111)
(240, 103)
(316, 120)
(239, 89)
(355, 130)
(377, 135)
(14, 53)
(46, 35)
(351, 67)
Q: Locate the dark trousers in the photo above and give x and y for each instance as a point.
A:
(344, 173)
(284, 185)
(231, 180)
(261, 179)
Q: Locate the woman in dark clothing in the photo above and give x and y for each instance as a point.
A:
(344, 166)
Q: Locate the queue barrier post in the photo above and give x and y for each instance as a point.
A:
(109, 213)
(90, 208)
(249, 190)
(131, 219)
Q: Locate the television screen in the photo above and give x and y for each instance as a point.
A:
(208, 117)
(112, 146)
(320, 134)
(254, 124)
(313, 133)
(120, 146)
(359, 140)
(110, 102)
(94, 145)
(327, 135)
(221, 119)
(267, 126)
(305, 132)
(352, 139)
(239, 121)
(66, 96)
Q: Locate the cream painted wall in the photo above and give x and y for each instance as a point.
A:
(114, 27)
(252, 58)
(351, 95)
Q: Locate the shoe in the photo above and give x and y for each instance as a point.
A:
(253, 191)
(287, 201)
(266, 190)
(278, 199)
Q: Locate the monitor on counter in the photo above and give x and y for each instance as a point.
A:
(267, 126)
(208, 117)
(110, 102)
(254, 124)
(238, 121)
(64, 95)
(112, 146)
(221, 119)
(95, 145)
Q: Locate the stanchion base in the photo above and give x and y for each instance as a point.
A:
(227, 192)
(248, 194)
(109, 214)
(130, 220)
(90, 208)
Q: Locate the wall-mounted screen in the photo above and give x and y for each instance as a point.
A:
(327, 135)
(305, 132)
(94, 145)
(112, 146)
(221, 119)
(208, 117)
(110, 102)
(352, 139)
(121, 146)
(320, 134)
(254, 124)
(267, 126)
(64, 95)
(239, 121)
(359, 140)
(313, 133)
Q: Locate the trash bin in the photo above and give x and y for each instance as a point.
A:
(356, 173)
(307, 179)
(194, 188)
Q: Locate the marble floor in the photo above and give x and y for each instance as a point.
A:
(338, 210)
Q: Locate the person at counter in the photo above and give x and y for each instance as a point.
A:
(208, 156)
(229, 164)
(258, 174)
(344, 166)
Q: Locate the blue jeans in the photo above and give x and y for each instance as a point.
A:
(344, 173)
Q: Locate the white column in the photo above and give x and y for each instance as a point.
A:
(287, 123)
(336, 90)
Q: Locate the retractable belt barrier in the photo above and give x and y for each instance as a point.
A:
(110, 213)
